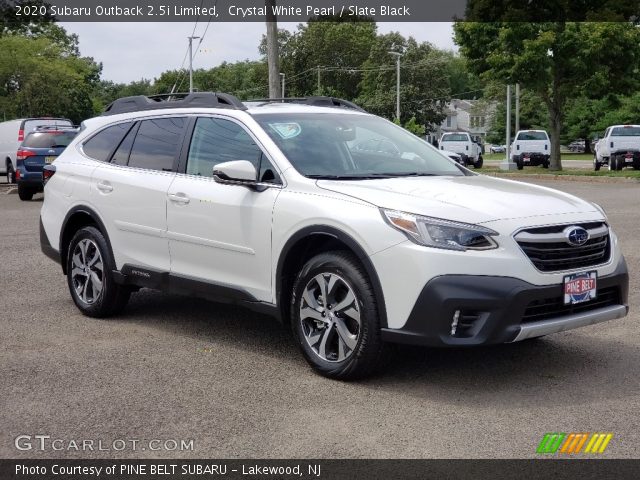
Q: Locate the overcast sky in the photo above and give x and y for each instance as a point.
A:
(131, 51)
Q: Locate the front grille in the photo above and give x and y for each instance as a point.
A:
(549, 251)
(554, 307)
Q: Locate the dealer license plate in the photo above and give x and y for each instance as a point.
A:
(580, 287)
(49, 159)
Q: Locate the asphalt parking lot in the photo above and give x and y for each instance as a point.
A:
(180, 368)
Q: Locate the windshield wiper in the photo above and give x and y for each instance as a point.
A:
(342, 177)
(370, 176)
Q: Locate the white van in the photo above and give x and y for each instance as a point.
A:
(12, 134)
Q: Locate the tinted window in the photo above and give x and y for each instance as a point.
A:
(30, 125)
(121, 155)
(157, 143)
(626, 132)
(48, 139)
(216, 141)
(455, 137)
(101, 145)
(532, 136)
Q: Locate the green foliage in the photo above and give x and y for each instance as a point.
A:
(424, 83)
(558, 61)
(40, 78)
(414, 127)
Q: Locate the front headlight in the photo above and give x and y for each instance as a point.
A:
(438, 233)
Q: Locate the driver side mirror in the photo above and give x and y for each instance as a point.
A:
(237, 172)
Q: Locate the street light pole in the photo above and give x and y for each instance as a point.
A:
(397, 55)
(282, 76)
(191, 39)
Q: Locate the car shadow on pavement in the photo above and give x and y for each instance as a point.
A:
(569, 368)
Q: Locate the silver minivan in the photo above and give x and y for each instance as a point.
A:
(12, 133)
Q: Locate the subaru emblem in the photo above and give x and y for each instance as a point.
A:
(576, 236)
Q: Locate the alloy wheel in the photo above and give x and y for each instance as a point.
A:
(87, 273)
(330, 317)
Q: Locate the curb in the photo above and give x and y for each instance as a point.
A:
(567, 178)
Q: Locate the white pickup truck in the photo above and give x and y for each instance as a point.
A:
(619, 148)
(462, 144)
(531, 147)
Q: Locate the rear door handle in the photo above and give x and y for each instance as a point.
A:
(180, 198)
(105, 187)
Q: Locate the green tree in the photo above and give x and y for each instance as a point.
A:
(424, 84)
(38, 78)
(558, 61)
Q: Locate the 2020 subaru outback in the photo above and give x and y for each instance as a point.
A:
(273, 205)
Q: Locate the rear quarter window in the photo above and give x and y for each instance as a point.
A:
(101, 145)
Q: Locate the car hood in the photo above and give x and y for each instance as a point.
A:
(470, 199)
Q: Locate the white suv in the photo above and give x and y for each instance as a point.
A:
(283, 208)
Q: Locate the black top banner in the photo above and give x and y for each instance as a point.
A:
(336, 10)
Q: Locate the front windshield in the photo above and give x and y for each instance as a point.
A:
(337, 145)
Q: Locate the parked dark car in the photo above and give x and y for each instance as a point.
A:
(40, 147)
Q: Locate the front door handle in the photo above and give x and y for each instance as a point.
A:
(105, 187)
(179, 197)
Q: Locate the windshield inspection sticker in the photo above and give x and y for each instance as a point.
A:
(287, 130)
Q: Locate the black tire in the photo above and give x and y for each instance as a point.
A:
(11, 173)
(479, 163)
(112, 298)
(519, 163)
(596, 164)
(327, 327)
(25, 193)
(545, 164)
(615, 163)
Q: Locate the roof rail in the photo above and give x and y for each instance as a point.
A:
(174, 100)
(314, 101)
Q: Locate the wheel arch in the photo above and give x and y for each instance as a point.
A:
(78, 217)
(307, 243)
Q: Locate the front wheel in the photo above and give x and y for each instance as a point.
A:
(89, 267)
(335, 316)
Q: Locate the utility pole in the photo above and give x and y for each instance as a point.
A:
(397, 55)
(319, 88)
(517, 129)
(273, 59)
(508, 164)
(282, 76)
(191, 39)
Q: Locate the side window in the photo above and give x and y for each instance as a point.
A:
(157, 143)
(101, 145)
(121, 155)
(216, 141)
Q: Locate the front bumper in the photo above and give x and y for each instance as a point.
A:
(495, 310)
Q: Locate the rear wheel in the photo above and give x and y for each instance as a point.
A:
(519, 163)
(479, 163)
(335, 316)
(89, 267)
(11, 173)
(596, 163)
(25, 193)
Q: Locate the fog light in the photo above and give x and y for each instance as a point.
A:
(454, 324)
